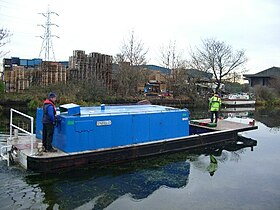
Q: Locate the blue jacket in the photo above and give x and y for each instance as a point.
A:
(49, 112)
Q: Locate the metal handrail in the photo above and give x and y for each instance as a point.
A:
(21, 129)
(2, 153)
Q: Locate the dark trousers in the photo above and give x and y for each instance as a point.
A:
(48, 130)
(216, 113)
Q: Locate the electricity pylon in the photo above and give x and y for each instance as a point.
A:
(47, 45)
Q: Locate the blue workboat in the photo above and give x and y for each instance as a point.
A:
(111, 134)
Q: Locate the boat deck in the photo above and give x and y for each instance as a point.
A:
(224, 124)
(23, 143)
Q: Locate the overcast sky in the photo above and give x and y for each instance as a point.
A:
(102, 26)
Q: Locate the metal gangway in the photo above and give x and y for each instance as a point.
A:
(4, 150)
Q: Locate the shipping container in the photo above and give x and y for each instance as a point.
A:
(30, 63)
(15, 61)
(23, 62)
(37, 61)
(7, 61)
(112, 126)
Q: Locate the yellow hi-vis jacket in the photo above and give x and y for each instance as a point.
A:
(215, 103)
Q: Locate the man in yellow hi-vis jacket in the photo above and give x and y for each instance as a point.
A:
(215, 106)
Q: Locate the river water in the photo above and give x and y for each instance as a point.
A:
(246, 176)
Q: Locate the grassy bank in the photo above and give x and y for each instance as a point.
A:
(273, 102)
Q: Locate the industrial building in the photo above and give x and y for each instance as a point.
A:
(263, 78)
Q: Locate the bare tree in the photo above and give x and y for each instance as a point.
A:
(133, 51)
(130, 65)
(218, 58)
(171, 58)
(4, 39)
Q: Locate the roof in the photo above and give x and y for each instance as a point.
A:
(199, 74)
(190, 72)
(150, 67)
(157, 68)
(271, 72)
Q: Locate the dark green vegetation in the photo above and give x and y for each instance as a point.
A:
(90, 94)
(2, 87)
(268, 96)
(80, 93)
(85, 94)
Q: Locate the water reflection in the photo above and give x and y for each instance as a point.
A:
(221, 153)
(213, 166)
(103, 185)
(268, 116)
(238, 112)
(98, 187)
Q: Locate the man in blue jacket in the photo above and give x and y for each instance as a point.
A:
(49, 115)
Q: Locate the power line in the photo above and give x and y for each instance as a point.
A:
(12, 5)
(5, 2)
(15, 18)
(47, 45)
(6, 6)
